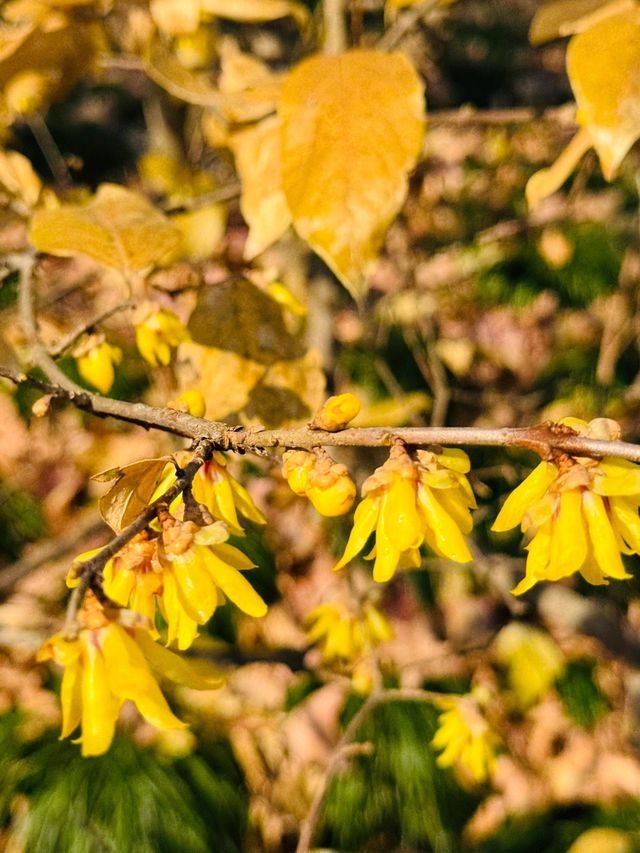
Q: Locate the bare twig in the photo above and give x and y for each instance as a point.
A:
(50, 150)
(404, 23)
(70, 339)
(335, 32)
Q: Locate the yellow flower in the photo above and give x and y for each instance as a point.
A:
(190, 401)
(345, 634)
(157, 334)
(465, 737)
(96, 359)
(216, 489)
(408, 503)
(578, 515)
(336, 412)
(533, 661)
(105, 665)
(327, 484)
(199, 568)
(186, 572)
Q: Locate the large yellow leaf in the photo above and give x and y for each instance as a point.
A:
(603, 64)
(263, 205)
(256, 10)
(566, 17)
(352, 128)
(118, 228)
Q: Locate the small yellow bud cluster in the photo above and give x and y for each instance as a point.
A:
(158, 331)
(326, 483)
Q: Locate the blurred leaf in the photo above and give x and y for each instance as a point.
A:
(603, 64)
(223, 378)
(118, 228)
(239, 317)
(202, 230)
(263, 204)
(565, 17)
(21, 520)
(18, 177)
(345, 157)
(132, 491)
(256, 10)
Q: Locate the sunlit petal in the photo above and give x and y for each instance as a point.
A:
(524, 496)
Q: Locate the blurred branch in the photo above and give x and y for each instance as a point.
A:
(335, 31)
(404, 23)
(64, 343)
(346, 748)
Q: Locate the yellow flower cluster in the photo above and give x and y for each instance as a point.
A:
(578, 514)
(326, 483)
(344, 634)
(107, 664)
(185, 572)
(464, 736)
(408, 503)
(157, 333)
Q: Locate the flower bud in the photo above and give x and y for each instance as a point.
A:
(330, 491)
(296, 466)
(336, 412)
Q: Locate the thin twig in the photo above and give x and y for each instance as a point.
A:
(50, 150)
(404, 23)
(343, 749)
(70, 339)
(543, 439)
(335, 31)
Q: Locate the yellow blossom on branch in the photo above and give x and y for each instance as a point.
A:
(327, 484)
(107, 664)
(216, 489)
(157, 334)
(186, 572)
(408, 503)
(465, 737)
(96, 359)
(578, 514)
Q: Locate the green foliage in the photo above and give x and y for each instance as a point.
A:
(581, 697)
(21, 520)
(397, 795)
(131, 799)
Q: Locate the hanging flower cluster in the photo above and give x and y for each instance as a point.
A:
(96, 360)
(578, 514)
(408, 502)
(181, 567)
(464, 735)
(158, 332)
(108, 663)
(344, 633)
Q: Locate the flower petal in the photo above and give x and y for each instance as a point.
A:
(234, 585)
(603, 541)
(524, 496)
(448, 535)
(568, 537)
(364, 523)
(129, 677)
(399, 514)
(100, 708)
(197, 674)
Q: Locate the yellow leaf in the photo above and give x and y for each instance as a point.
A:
(566, 17)
(352, 128)
(603, 64)
(224, 378)
(118, 228)
(131, 493)
(256, 10)
(263, 205)
(197, 87)
(18, 178)
(546, 181)
(202, 230)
